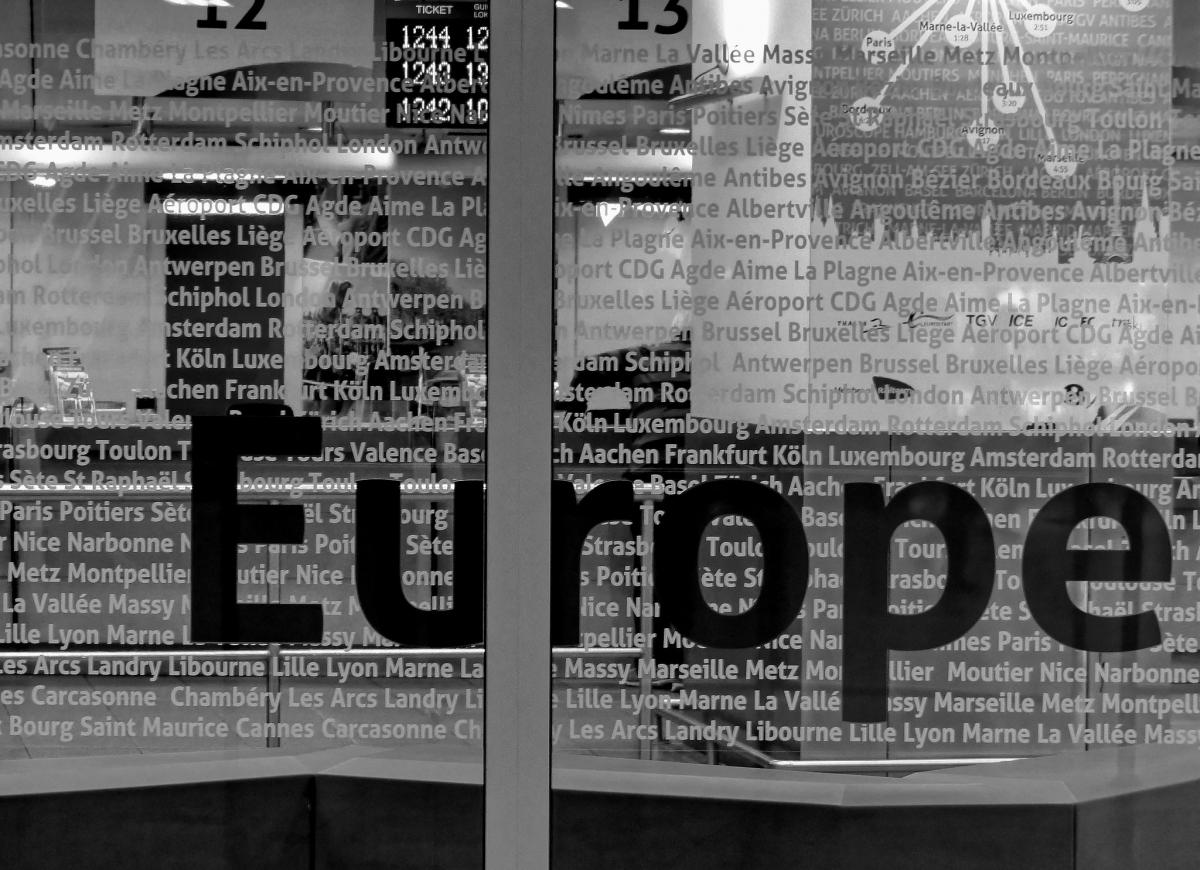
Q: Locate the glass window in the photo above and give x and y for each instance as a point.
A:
(874, 430)
(874, 417)
(244, 322)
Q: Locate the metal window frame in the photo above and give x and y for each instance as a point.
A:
(520, 379)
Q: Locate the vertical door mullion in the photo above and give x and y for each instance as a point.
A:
(520, 378)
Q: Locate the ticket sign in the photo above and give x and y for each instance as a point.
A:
(438, 56)
(147, 47)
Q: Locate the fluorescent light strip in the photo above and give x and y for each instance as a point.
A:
(352, 652)
(228, 177)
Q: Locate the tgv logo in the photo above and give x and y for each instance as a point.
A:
(870, 630)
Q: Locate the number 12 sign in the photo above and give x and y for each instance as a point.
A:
(148, 47)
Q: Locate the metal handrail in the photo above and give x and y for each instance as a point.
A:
(758, 758)
(265, 651)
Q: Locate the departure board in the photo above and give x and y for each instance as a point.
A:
(437, 56)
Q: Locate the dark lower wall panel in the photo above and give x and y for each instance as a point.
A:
(363, 809)
(262, 824)
(1134, 805)
(633, 832)
(385, 824)
(602, 832)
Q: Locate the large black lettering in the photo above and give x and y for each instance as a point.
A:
(1048, 566)
(676, 563)
(378, 568)
(570, 525)
(870, 630)
(220, 523)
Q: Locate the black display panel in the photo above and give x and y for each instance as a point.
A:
(438, 55)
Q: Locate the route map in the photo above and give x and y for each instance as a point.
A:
(1050, 122)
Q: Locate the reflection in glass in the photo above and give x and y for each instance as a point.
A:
(240, 214)
(862, 262)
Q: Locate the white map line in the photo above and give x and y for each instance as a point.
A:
(904, 24)
(1000, 45)
(900, 70)
(985, 16)
(994, 18)
(1033, 86)
(998, 15)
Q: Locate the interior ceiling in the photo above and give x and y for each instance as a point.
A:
(580, 59)
(67, 21)
(584, 44)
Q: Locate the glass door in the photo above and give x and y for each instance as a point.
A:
(864, 362)
(244, 370)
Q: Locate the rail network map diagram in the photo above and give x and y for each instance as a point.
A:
(1049, 120)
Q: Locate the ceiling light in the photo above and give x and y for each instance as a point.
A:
(199, 2)
(745, 22)
(562, 4)
(225, 176)
(714, 89)
(608, 211)
(42, 181)
(675, 131)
